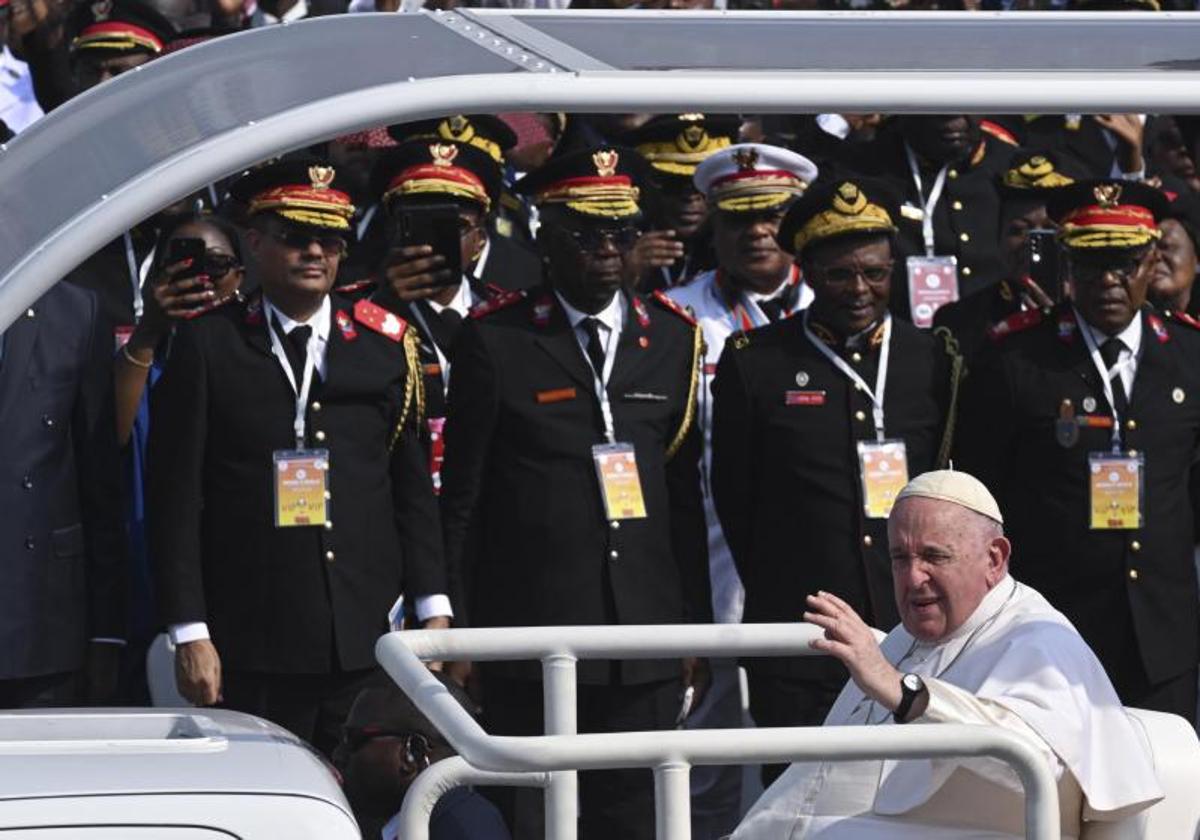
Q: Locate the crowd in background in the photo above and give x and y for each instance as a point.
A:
(472, 328)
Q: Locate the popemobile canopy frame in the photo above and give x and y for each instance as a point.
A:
(112, 157)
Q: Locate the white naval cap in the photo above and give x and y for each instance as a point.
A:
(750, 177)
(957, 487)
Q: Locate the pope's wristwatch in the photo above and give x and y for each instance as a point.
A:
(911, 687)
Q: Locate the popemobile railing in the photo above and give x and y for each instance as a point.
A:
(551, 760)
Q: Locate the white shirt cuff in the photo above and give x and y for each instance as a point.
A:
(105, 640)
(432, 606)
(192, 631)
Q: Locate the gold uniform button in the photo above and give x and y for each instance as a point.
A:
(316, 406)
(966, 271)
(1135, 546)
(330, 556)
(953, 173)
(965, 237)
(958, 205)
(328, 495)
(1133, 574)
(859, 416)
(856, 357)
(328, 524)
(615, 524)
(1131, 425)
(319, 436)
(867, 541)
(613, 555)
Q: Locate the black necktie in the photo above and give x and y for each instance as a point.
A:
(1110, 352)
(295, 347)
(772, 308)
(594, 347)
(452, 320)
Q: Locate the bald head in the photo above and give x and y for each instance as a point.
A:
(945, 559)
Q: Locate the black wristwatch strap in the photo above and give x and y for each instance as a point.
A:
(908, 696)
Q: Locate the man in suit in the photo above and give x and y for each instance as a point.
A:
(289, 496)
(571, 490)
(64, 558)
(1084, 423)
(817, 422)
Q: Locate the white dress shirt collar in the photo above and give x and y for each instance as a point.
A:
(611, 316)
(319, 321)
(1131, 336)
(462, 302)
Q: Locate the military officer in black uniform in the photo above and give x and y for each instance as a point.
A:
(674, 145)
(571, 490)
(1084, 423)
(506, 260)
(1023, 192)
(289, 497)
(817, 422)
(946, 170)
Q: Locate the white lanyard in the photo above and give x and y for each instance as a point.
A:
(443, 362)
(927, 206)
(875, 394)
(1105, 378)
(600, 382)
(306, 383)
(135, 276)
(365, 222)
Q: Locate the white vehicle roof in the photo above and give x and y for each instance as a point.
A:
(105, 160)
(57, 754)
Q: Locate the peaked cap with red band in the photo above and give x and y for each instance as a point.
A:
(752, 177)
(1107, 214)
(432, 169)
(303, 192)
(600, 182)
(107, 28)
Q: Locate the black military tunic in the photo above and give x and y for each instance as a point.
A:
(785, 468)
(969, 319)
(966, 220)
(300, 600)
(1131, 593)
(525, 524)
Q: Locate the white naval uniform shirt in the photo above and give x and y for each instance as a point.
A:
(710, 308)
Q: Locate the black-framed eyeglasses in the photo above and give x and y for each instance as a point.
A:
(417, 749)
(874, 275)
(330, 243)
(593, 239)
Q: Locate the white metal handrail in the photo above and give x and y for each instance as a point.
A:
(671, 754)
(443, 776)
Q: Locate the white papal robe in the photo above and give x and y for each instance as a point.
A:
(1016, 663)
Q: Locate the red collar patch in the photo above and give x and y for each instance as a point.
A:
(254, 312)
(1159, 328)
(542, 310)
(375, 317)
(639, 309)
(495, 304)
(1015, 323)
(1067, 326)
(346, 325)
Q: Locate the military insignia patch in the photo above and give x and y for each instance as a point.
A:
(1015, 323)
(375, 317)
(321, 177)
(495, 304)
(1158, 328)
(639, 309)
(606, 161)
(346, 326)
(665, 300)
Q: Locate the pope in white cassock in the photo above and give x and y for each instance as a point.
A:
(974, 646)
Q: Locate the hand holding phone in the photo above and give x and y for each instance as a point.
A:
(1042, 264)
(435, 226)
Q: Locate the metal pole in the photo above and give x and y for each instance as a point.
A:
(560, 708)
(439, 779)
(672, 801)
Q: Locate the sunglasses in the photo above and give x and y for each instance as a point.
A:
(1093, 269)
(330, 243)
(218, 265)
(417, 749)
(593, 239)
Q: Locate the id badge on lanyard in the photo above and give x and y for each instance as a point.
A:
(932, 283)
(301, 487)
(300, 476)
(883, 466)
(932, 280)
(1116, 479)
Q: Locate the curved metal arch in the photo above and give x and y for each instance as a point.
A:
(108, 159)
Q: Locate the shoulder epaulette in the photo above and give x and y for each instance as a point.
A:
(356, 286)
(999, 132)
(383, 321)
(495, 304)
(667, 303)
(1015, 323)
(1185, 318)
